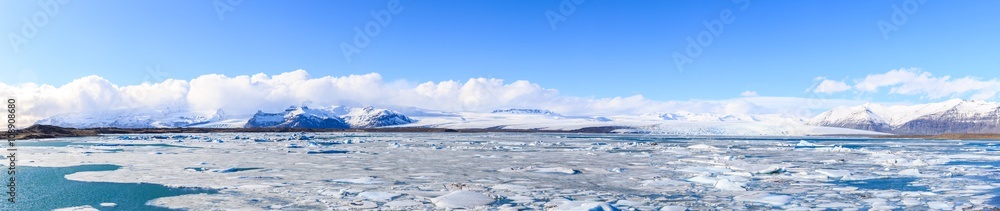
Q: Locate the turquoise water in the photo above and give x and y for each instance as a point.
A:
(46, 188)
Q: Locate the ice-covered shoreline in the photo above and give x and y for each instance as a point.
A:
(535, 171)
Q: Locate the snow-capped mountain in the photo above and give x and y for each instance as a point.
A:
(133, 118)
(679, 123)
(296, 117)
(953, 116)
(335, 117)
(293, 117)
(859, 117)
(369, 117)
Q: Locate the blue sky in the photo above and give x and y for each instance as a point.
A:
(603, 49)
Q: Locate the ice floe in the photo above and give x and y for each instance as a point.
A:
(462, 199)
(539, 171)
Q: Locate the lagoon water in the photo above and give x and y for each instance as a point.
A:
(46, 188)
(409, 171)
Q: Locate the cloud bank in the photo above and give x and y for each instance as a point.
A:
(830, 86)
(913, 81)
(246, 94)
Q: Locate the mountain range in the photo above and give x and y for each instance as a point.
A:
(953, 116)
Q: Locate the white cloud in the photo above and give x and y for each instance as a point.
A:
(749, 93)
(913, 81)
(830, 86)
(245, 94)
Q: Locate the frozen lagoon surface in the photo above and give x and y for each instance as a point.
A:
(516, 171)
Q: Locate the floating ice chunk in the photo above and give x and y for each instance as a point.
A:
(79, 208)
(879, 204)
(361, 205)
(462, 199)
(766, 198)
(804, 143)
(628, 203)
(769, 170)
(914, 173)
(703, 147)
(664, 183)
(739, 174)
(940, 205)
(910, 172)
(509, 187)
(463, 186)
(725, 184)
(979, 187)
(835, 174)
(521, 199)
(108, 204)
(909, 202)
(803, 176)
(712, 170)
(674, 208)
(255, 187)
(584, 206)
(892, 160)
(512, 169)
(378, 196)
(703, 180)
(833, 205)
(402, 204)
(363, 180)
(980, 199)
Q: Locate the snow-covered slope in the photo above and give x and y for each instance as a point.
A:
(134, 118)
(334, 117)
(953, 116)
(681, 123)
(677, 123)
(860, 117)
(370, 117)
(296, 117)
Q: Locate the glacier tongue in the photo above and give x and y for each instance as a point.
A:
(343, 117)
(133, 118)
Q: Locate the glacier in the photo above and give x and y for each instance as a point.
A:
(953, 116)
